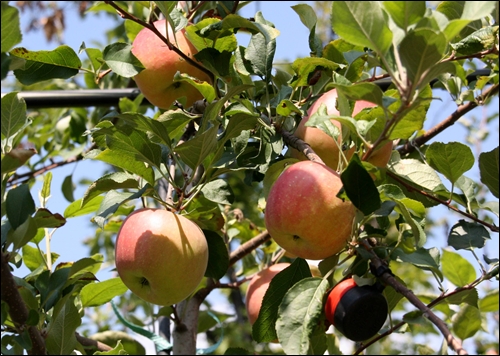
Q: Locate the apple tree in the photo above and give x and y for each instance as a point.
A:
(217, 160)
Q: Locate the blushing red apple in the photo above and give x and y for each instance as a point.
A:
(324, 145)
(156, 81)
(303, 214)
(160, 256)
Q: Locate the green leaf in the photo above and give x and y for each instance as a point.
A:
(260, 54)
(466, 236)
(306, 14)
(44, 219)
(218, 256)
(11, 32)
(451, 159)
(457, 269)
(19, 205)
(359, 187)
(467, 322)
(430, 46)
(118, 180)
(419, 173)
(61, 339)
(362, 23)
(489, 303)
(100, 293)
(194, 151)
(16, 158)
(77, 208)
(119, 349)
(299, 313)
(405, 13)
(62, 63)
(32, 257)
(68, 187)
(488, 169)
(50, 286)
(121, 339)
(13, 118)
(218, 191)
(306, 67)
(426, 259)
(121, 60)
(477, 41)
(362, 91)
(264, 330)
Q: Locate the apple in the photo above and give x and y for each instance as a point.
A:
(257, 289)
(324, 145)
(156, 81)
(303, 214)
(160, 256)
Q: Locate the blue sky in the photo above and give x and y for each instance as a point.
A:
(292, 43)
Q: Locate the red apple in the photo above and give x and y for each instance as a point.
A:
(324, 145)
(160, 256)
(257, 289)
(156, 81)
(303, 214)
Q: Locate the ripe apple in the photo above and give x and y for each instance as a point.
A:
(324, 145)
(160, 256)
(156, 81)
(257, 289)
(303, 214)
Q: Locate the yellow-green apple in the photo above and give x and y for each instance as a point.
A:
(303, 214)
(257, 289)
(324, 145)
(156, 81)
(160, 256)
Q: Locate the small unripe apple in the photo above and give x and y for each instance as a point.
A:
(303, 214)
(324, 145)
(160, 256)
(257, 289)
(156, 81)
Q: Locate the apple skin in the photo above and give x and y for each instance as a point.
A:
(160, 256)
(324, 145)
(257, 289)
(303, 214)
(156, 81)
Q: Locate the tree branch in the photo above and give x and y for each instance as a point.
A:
(17, 309)
(449, 121)
(300, 145)
(86, 342)
(389, 279)
(247, 247)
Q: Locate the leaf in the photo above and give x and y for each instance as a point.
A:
(19, 205)
(362, 23)
(100, 293)
(13, 116)
(451, 159)
(44, 219)
(16, 158)
(477, 41)
(457, 269)
(61, 339)
(118, 180)
(76, 208)
(489, 171)
(359, 187)
(121, 60)
(426, 259)
(489, 303)
(306, 67)
(264, 330)
(11, 32)
(122, 340)
(205, 88)
(467, 322)
(362, 91)
(299, 313)
(51, 286)
(218, 191)
(218, 256)
(429, 44)
(61, 62)
(260, 54)
(68, 187)
(466, 236)
(405, 13)
(194, 151)
(419, 173)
